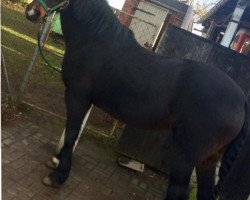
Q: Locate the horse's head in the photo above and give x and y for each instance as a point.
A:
(38, 9)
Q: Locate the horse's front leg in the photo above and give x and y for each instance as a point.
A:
(54, 161)
(77, 106)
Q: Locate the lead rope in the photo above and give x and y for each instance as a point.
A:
(49, 11)
(42, 55)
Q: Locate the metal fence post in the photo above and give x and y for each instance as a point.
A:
(44, 33)
(7, 81)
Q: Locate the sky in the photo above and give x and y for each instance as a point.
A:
(116, 3)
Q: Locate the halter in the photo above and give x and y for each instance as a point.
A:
(50, 8)
(59, 5)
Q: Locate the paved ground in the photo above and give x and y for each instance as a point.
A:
(95, 174)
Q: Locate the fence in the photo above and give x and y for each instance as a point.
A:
(236, 65)
(179, 43)
(44, 89)
(146, 33)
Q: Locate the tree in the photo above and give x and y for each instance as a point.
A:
(201, 7)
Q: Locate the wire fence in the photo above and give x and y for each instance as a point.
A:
(44, 89)
(145, 32)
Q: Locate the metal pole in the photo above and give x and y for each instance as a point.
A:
(44, 34)
(7, 80)
(234, 22)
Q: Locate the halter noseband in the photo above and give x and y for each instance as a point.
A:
(53, 8)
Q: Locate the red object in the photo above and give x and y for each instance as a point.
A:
(240, 38)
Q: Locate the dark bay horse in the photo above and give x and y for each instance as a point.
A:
(105, 66)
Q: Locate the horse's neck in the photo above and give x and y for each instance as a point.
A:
(92, 19)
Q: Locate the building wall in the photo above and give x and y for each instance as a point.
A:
(130, 8)
(176, 18)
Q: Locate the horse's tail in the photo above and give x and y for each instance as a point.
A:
(230, 157)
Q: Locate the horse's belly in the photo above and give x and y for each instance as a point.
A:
(141, 115)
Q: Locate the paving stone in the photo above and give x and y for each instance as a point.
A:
(29, 167)
(94, 175)
(19, 162)
(156, 191)
(135, 181)
(6, 195)
(25, 141)
(82, 161)
(158, 198)
(25, 134)
(52, 194)
(89, 165)
(70, 185)
(143, 186)
(20, 192)
(149, 196)
(6, 183)
(81, 189)
(8, 141)
(102, 171)
(5, 161)
(12, 174)
(4, 136)
(74, 196)
(111, 167)
(90, 160)
(18, 154)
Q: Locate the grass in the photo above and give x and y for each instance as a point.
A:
(19, 39)
(56, 50)
(192, 193)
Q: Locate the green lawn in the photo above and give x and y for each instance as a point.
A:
(193, 191)
(19, 38)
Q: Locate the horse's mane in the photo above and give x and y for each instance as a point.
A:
(100, 18)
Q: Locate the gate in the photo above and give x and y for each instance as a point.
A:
(153, 17)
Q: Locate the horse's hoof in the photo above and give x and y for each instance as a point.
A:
(50, 164)
(53, 163)
(48, 182)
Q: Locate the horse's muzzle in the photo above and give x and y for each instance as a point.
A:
(32, 14)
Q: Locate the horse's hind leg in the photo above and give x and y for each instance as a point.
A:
(205, 172)
(181, 168)
(77, 108)
(179, 178)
